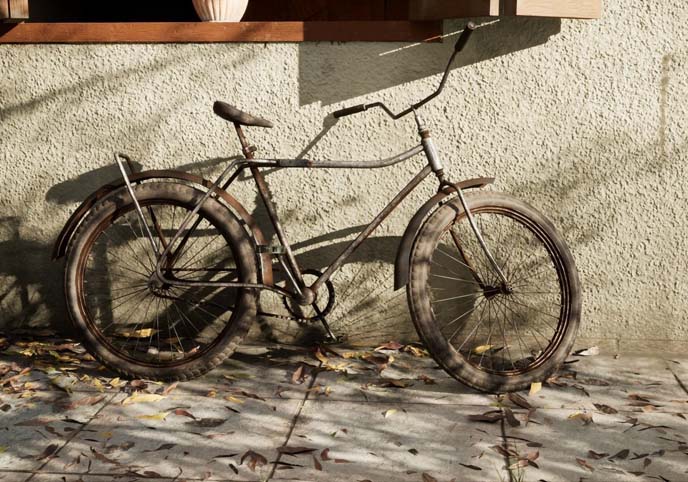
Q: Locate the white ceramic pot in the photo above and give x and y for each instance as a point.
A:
(220, 10)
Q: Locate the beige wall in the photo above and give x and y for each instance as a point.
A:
(585, 119)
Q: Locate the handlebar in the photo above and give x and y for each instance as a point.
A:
(465, 37)
(350, 111)
(460, 44)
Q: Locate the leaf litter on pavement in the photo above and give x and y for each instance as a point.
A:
(59, 364)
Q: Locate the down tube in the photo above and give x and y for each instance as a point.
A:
(394, 203)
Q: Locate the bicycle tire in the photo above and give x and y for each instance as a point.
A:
(526, 237)
(102, 244)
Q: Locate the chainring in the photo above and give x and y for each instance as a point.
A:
(296, 310)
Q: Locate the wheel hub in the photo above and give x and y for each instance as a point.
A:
(157, 287)
(492, 291)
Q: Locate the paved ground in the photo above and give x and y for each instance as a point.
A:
(285, 413)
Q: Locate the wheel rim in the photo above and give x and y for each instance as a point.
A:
(135, 317)
(504, 330)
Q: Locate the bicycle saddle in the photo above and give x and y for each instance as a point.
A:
(232, 114)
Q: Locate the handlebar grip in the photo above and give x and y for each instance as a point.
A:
(465, 36)
(350, 111)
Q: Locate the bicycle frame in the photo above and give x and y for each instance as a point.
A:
(304, 295)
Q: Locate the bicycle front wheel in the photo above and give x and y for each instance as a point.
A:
(139, 327)
(493, 336)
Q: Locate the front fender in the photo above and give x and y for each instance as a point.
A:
(62, 242)
(403, 261)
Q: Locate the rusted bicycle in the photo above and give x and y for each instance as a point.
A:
(164, 269)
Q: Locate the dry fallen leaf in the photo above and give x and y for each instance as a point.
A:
(392, 345)
(169, 389)
(298, 377)
(426, 379)
(592, 351)
(139, 397)
(157, 416)
(534, 388)
(295, 450)
(586, 418)
(479, 350)
(510, 418)
(428, 478)
(605, 408)
(621, 455)
(583, 463)
(415, 351)
(254, 459)
(518, 400)
(389, 412)
(83, 401)
(184, 413)
(207, 422)
(490, 417)
(596, 456)
(48, 452)
(145, 333)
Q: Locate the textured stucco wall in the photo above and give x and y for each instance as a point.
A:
(585, 119)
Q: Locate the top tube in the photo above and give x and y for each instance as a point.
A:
(308, 164)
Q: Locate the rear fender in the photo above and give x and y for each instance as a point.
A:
(62, 243)
(403, 261)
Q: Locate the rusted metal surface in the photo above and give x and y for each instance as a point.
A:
(306, 163)
(401, 265)
(274, 219)
(62, 242)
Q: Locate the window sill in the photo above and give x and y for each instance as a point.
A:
(211, 32)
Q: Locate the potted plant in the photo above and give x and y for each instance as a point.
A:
(220, 10)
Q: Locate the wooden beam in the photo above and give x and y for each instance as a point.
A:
(19, 9)
(553, 8)
(4, 9)
(216, 32)
(438, 9)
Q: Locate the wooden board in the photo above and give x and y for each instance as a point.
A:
(19, 9)
(4, 9)
(437, 9)
(553, 8)
(200, 32)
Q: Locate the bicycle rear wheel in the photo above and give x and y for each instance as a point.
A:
(139, 327)
(491, 336)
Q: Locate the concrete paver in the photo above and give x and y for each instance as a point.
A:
(389, 441)
(654, 447)
(136, 437)
(31, 430)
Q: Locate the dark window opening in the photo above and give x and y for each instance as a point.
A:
(183, 10)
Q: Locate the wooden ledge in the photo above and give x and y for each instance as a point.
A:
(211, 32)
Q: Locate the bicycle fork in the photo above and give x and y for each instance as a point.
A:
(436, 164)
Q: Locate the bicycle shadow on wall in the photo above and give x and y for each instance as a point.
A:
(28, 294)
(334, 73)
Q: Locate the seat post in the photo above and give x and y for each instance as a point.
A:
(246, 148)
